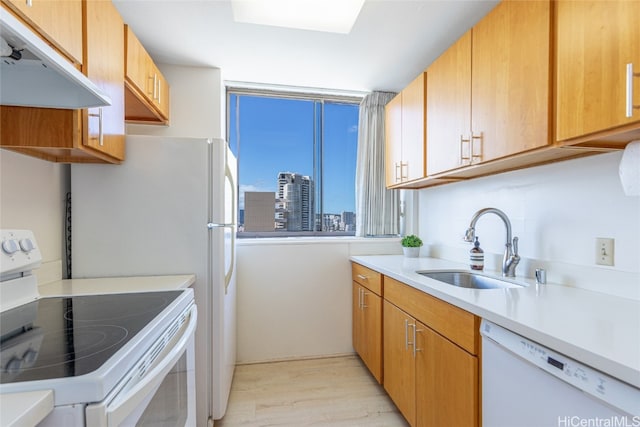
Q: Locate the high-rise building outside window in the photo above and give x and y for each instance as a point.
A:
(296, 162)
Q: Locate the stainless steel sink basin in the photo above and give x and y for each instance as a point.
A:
(466, 279)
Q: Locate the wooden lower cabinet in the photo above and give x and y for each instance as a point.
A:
(447, 385)
(367, 317)
(399, 361)
(433, 381)
(367, 328)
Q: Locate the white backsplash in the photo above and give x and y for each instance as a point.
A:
(32, 197)
(557, 211)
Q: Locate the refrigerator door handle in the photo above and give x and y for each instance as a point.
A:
(230, 176)
(211, 225)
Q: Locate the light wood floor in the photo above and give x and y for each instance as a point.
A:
(337, 391)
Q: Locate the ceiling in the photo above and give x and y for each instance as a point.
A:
(391, 42)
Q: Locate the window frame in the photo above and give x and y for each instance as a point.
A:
(319, 98)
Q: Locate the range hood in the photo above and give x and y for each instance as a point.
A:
(32, 74)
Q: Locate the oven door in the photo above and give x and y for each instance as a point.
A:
(164, 395)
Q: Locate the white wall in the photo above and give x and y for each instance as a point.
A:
(32, 197)
(556, 210)
(197, 104)
(294, 296)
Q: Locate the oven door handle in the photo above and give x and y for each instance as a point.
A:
(112, 412)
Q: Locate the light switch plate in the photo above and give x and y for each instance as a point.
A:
(604, 251)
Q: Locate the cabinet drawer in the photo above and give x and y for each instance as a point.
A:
(368, 278)
(454, 323)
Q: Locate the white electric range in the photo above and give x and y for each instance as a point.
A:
(113, 359)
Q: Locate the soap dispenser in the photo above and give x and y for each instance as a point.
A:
(476, 256)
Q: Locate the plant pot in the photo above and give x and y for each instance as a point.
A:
(411, 252)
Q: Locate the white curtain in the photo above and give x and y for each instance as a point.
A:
(377, 209)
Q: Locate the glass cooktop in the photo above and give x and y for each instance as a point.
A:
(60, 337)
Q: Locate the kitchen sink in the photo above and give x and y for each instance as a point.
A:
(466, 279)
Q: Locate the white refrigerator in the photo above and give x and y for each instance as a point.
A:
(170, 208)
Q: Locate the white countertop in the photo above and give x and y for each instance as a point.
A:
(113, 285)
(25, 409)
(597, 329)
(29, 408)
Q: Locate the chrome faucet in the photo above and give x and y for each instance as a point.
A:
(511, 258)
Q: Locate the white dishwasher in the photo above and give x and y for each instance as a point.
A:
(527, 385)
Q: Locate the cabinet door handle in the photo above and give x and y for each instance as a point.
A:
(404, 177)
(29, 3)
(100, 125)
(155, 86)
(398, 177)
(415, 341)
(364, 300)
(360, 298)
(151, 93)
(473, 139)
(406, 334)
(407, 343)
(159, 93)
(462, 156)
(629, 100)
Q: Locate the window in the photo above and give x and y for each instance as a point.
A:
(296, 162)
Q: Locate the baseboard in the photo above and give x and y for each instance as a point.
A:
(298, 358)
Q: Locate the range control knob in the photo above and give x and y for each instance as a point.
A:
(14, 366)
(30, 356)
(10, 247)
(27, 245)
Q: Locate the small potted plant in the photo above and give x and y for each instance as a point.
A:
(411, 246)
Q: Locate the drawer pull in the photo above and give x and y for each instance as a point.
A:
(361, 277)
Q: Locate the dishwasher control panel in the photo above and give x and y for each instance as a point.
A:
(585, 378)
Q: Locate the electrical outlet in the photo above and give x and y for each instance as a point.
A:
(604, 251)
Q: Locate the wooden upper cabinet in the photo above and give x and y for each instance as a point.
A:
(59, 23)
(595, 42)
(104, 65)
(413, 128)
(147, 91)
(511, 79)
(94, 135)
(490, 94)
(449, 108)
(405, 131)
(393, 140)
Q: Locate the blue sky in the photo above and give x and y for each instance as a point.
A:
(276, 135)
